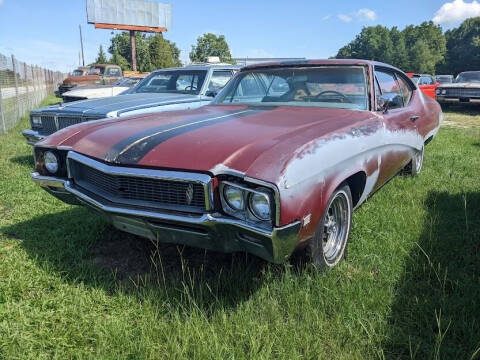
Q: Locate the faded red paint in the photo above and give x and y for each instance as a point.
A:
(295, 148)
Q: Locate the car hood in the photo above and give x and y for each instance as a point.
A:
(460, 85)
(256, 141)
(120, 103)
(95, 91)
(81, 79)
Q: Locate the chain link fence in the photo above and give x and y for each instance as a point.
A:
(22, 88)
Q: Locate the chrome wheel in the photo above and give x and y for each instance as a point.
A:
(336, 228)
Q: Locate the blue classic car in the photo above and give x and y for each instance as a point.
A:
(163, 90)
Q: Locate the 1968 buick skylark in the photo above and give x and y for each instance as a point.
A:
(277, 162)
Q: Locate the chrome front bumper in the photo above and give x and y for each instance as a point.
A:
(212, 231)
(32, 136)
(456, 100)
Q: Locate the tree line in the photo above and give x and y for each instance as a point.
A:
(422, 49)
(156, 52)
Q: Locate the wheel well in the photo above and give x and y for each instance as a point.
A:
(356, 182)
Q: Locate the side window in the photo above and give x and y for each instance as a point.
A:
(219, 79)
(405, 89)
(388, 84)
(249, 89)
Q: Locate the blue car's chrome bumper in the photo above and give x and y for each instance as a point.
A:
(32, 136)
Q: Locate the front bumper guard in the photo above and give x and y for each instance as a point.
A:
(211, 231)
(32, 136)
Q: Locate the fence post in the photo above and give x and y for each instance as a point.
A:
(4, 127)
(16, 86)
(27, 91)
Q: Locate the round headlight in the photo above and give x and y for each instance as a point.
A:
(234, 197)
(260, 205)
(51, 162)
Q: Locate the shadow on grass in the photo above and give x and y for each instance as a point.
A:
(436, 312)
(83, 248)
(24, 160)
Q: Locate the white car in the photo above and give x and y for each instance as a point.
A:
(100, 91)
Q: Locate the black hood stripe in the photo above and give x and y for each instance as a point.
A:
(135, 151)
(114, 152)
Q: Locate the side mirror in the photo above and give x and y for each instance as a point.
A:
(390, 101)
(211, 93)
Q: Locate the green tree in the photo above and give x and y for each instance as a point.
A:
(211, 45)
(153, 52)
(101, 57)
(463, 48)
(415, 48)
(163, 53)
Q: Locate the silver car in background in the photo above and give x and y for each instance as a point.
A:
(170, 89)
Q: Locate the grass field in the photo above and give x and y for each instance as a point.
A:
(73, 287)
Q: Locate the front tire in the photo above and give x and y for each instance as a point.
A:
(328, 246)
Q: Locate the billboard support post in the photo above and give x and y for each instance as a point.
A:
(134, 50)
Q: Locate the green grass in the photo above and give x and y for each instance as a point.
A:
(73, 287)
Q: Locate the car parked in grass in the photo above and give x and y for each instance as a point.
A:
(465, 89)
(100, 91)
(426, 83)
(98, 74)
(277, 162)
(163, 90)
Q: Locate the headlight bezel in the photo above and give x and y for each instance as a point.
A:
(39, 158)
(36, 121)
(247, 214)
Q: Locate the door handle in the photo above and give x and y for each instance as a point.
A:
(414, 118)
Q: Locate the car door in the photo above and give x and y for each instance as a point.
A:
(398, 121)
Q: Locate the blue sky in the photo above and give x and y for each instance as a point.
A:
(45, 32)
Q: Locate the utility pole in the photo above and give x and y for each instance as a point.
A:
(81, 44)
(134, 50)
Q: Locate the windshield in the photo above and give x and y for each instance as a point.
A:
(77, 73)
(127, 82)
(96, 70)
(324, 86)
(468, 77)
(444, 79)
(173, 81)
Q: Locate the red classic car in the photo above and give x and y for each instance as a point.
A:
(277, 162)
(427, 83)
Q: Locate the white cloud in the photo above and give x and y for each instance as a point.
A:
(326, 17)
(361, 15)
(366, 15)
(344, 18)
(456, 11)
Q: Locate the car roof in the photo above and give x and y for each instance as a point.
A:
(470, 72)
(202, 66)
(308, 62)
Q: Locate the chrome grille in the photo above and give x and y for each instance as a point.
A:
(66, 121)
(139, 191)
(48, 124)
(463, 92)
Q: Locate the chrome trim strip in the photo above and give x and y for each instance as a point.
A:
(198, 178)
(48, 181)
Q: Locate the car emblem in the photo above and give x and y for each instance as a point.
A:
(189, 194)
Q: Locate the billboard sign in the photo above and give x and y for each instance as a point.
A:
(129, 14)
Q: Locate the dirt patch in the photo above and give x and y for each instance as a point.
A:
(130, 256)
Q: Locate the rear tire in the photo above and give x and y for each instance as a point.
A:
(328, 246)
